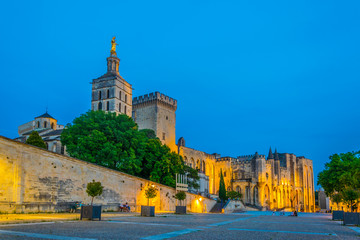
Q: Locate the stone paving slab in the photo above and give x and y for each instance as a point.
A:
(191, 226)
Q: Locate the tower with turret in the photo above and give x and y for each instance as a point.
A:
(111, 92)
(156, 111)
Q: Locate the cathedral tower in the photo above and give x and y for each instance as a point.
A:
(156, 111)
(111, 92)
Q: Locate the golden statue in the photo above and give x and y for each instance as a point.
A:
(113, 46)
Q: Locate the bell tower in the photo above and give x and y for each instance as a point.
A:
(111, 92)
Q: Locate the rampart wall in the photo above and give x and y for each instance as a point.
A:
(36, 180)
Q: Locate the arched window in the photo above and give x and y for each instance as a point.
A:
(107, 106)
(238, 189)
(192, 164)
(125, 98)
(99, 94)
(203, 166)
(38, 124)
(119, 107)
(45, 124)
(125, 109)
(120, 95)
(100, 106)
(52, 125)
(108, 93)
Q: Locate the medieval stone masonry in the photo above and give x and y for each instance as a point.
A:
(278, 181)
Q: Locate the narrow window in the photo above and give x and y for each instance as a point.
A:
(45, 124)
(125, 109)
(120, 95)
(125, 98)
(99, 94)
(119, 107)
(38, 124)
(163, 137)
(100, 106)
(107, 106)
(52, 125)
(108, 93)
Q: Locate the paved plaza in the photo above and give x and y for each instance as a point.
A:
(250, 225)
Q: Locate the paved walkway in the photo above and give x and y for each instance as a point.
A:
(250, 225)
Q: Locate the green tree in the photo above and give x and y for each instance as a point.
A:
(181, 196)
(94, 189)
(35, 140)
(192, 177)
(341, 172)
(107, 139)
(150, 193)
(337, 198)
(222, 188)
(350, 197)
(233, 195)
(114, 141)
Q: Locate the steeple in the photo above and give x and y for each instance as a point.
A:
(270, 156)
(113, 61)
(276, 155)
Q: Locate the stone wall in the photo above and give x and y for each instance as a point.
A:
(37, 180)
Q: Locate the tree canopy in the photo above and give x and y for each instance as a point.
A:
(35, 140)
(94, 189)
(343, 171)
(222, 188)
(341, 178)
(113, 140)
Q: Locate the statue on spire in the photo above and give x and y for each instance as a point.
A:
(113, 46)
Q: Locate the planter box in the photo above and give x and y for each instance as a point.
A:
(338, 215)
(351, 218)
(90, 212)
(148, 211)
(180, 210)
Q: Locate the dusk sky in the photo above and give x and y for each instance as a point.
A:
(247, 74)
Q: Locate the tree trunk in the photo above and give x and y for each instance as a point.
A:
(148, 201)
(92, 199)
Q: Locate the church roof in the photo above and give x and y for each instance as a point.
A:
(53, 133)
(45, 115)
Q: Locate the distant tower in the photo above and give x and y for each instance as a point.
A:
(111, 92)
(157, 112)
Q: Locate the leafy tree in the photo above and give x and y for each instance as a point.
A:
(351, 196)
(341, 172)
(114, 141)
(222, 189)
(193, 177)
(233, 195)
(181, 195)
(94, 189)
(107, 139)
(150, 193)
(337, 198)
(35, 140)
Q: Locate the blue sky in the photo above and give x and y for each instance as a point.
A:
(247, 74)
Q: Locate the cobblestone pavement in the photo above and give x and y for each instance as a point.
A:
(250, 225)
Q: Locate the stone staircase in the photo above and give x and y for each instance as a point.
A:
(216, 208)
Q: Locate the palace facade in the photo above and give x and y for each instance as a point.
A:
(275, 181)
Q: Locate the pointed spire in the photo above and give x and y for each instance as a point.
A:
(270, 156)
(276, 155)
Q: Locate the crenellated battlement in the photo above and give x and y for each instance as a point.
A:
(248, 157)
(156, 96)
